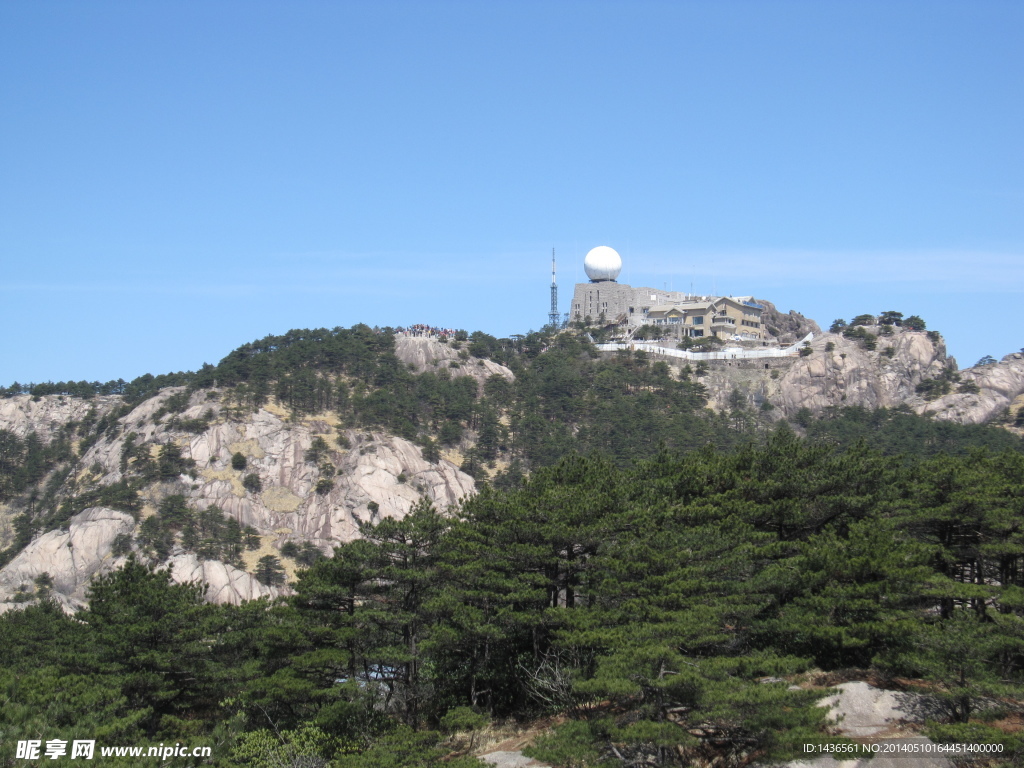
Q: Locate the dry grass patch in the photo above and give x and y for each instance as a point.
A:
(229, 475)
(251, 557)
(453, 456)
(248, 448)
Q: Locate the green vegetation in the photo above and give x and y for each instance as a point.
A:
(654, 573)
(134, 392)
(269, 571)
(663, 610)
(26, 461)
(304, 554)
(209, 533)
(901, 432)
(934, 388)
(914, 323)
(887, 319)
(565, 398)
(856, 331)
(645, 332)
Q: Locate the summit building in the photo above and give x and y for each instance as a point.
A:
(605, 301)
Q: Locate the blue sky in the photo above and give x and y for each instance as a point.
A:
(179, 178)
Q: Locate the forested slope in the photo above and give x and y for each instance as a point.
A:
(634, 564)
(276, 453)
(647, 605)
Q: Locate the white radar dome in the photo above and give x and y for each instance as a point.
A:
(602, 263)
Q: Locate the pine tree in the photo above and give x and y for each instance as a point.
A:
(269, 571)
(152, 633)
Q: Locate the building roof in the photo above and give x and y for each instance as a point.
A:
(695, 304)
(743, 302)
(665, 308)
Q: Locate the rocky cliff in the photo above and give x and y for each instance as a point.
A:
(373, 470)
(46, 416)
(285, 491)
(369, 475)
(841, 371)
(71, 557)
(999, 385)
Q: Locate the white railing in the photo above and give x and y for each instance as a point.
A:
(728, 353)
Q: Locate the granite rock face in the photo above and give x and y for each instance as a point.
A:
(224, 583)
(46, 415)
(849, 374)
(852, 375)
(999, 384)
(377, 475)
(71, 556)
(429, 354)
(303, 498)
(842, 372)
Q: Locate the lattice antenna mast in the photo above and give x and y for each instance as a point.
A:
(553, 317)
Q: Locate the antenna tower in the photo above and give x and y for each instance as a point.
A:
(553, 316)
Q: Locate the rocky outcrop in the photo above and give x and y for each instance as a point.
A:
(71, 556)
(837, 372)
(755, 383)
(840, 371)
(860, 710)
(376, 475)
(889, 720)
(786, 327)
(359, 476)
(46, 415)
(428, 354)
(224, 583)
(999, 384)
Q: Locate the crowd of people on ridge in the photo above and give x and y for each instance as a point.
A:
(422, 330)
